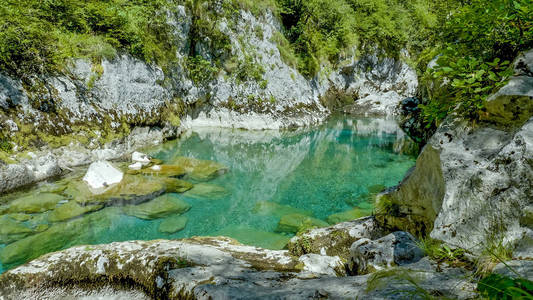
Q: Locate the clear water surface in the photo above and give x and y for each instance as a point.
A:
(319, 171)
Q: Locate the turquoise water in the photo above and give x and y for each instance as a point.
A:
(328, 169)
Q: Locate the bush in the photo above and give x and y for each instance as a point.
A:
(37, 36)
(496, 286)
(480, 39)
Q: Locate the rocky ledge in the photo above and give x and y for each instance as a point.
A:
(382, 265)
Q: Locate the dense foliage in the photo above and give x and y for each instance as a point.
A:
(496, 286)
(36, 36)
(327, 30)
(476, 46)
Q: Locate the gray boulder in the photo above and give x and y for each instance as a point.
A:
(396, 249)
(472, 184)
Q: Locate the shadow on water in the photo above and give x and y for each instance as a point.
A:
(278, 183)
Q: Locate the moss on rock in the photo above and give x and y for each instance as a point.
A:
(70, 210)
(35, 203)
(206, 191)
(173, 224)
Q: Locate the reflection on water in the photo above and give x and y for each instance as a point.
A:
(278, 183)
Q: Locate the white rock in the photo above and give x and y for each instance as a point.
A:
(321, 264)
(135, 166)
(102, 174)
(156, 168)
(138, 157)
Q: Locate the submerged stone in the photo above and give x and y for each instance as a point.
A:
(35, 203)
(70, 210)
(349, 215)
(160, 207)
(11, 231)
(164, 170)
(173, 224)
(59, 236)
(294, 223)
(201, 170)
(376, 188)
(20, 217)
(207, 191)
(131, 190)
(255, 237)
(174, 185)
(278, 210)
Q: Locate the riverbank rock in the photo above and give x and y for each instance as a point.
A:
(173, 224)
(294, 223)
(220, 268)
(165, 170)
(157, 208)
(471, 184)
(396, 249)
(335, 240)
(102, 174)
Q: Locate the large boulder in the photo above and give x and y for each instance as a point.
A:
(396, 249)
(335, 240)
(102, 174)
(472, 183)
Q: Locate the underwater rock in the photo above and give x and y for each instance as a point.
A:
(349, 215)
(70, 210)
(138, 157)
(201, 170)
(102, 174)
(251, 236)
(207, 191)
(396, 249)
(11, 231)
(173, 224)
(278, 210)
(376, 188)
(19, 217)
(157, 208)
(164, 170)
(174, 185)
(131, 190)
(35, 203)
(78, 231)
(294, 223)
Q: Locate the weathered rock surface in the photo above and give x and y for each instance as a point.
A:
(335, 240)
(396, 249)
(218, 268)
(472, 184)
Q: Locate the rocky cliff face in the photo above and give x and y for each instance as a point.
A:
(472, 185)
(105, 109)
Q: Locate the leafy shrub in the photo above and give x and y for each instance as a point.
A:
(200, 70)
(479, 39)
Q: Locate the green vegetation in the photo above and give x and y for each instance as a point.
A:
(37, 37)
(497, 286)
(476, 46)
(440, 251)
